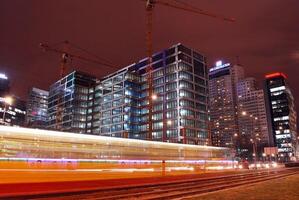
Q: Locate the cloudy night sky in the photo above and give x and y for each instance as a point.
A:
(264, 36)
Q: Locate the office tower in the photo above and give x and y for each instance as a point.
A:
(179, 99)
(252, 119)
(283, 115)
(37, 108)
(68, 102)
(4, 85)
(223, 78)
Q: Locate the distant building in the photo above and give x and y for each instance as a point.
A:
(4, 85)
(68, 102)
(283, 116)
(223, 79)
(252, 118)
(180, 91)
(37, 108)
(12, 108)
(13, 113)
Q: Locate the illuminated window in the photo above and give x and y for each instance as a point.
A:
(158, 81)
(186, 103)
(170, 69)
(186, 112)
(171, 104)
(158, 73)
(116, 111)
(186, 84)
(159, 89)
(170, 77)
(184, 93)
(158, 107)
(157, 125)
(171, 95)
(185, 67)
(185, 75)
(172, 114)
(157, 116)
(170, 86)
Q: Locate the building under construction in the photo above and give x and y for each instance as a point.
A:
(179, 99)
(118, 104)
(68, 102)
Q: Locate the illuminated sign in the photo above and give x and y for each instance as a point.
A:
(276, 74)
(3, 76)
(219, 65)
(281, 88)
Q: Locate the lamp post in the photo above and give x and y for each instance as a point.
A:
(7, 101)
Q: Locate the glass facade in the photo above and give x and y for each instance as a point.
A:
(120, 106)
(37, 108)
(283, 116)
(70, 103)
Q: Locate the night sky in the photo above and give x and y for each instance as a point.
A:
(265, 36)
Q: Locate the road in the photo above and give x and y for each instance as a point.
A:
(171, 187)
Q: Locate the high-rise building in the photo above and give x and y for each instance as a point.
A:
(4, 85)
(37, 108)
(69, 101)
(223, 78)
(283, 115)
(180, 91)
(252, 118)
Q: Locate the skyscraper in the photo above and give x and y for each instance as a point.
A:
(223, 78)
(179, 112)
(283, 115)
(37, 108)
(68, 102)
(252, 118)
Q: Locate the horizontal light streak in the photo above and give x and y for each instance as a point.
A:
(81, 170)
(115, 161)
(35, 134)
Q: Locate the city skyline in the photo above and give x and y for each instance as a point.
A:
(149, 99)
(271, 48)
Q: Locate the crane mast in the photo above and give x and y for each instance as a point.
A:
(149, 69)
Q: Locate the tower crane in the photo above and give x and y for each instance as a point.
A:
(175, 4)
(66, 57)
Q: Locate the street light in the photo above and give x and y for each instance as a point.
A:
(169, 122)
(154, 97)
(7, 101)
(264, 157)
